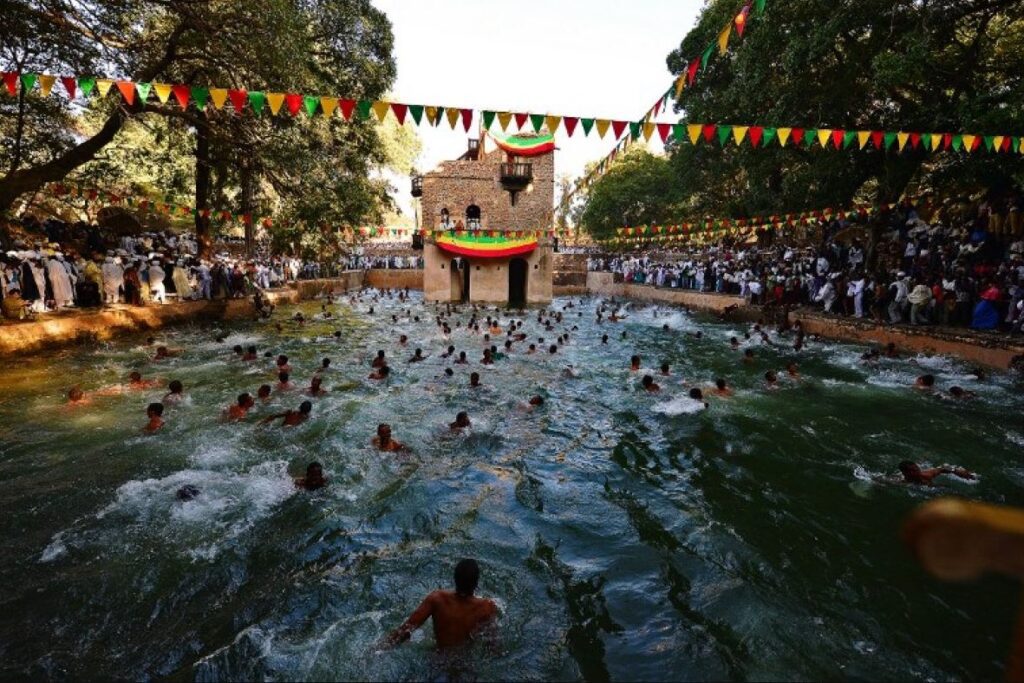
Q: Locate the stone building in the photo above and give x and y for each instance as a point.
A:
(485, 201)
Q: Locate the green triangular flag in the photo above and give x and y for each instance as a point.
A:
(759, 6)
(634, 130)
(889, 139)
(538, 121)
(143, 89)
(417, 112)
(848, 139)
(488, 119)
(958, 142)
(679, 132)
(363, 109)
(706, 56)
(988, 142)
(810, 137)
(27, 81)
(723, 134)
(587, 125)
(1014, 144)
(86, 84)
(256, 100)
(311, 103)
(769, 135)
(199, 96)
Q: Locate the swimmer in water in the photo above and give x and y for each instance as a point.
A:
(461, 422)
(748, 356)
(634, 363)
(461, 360)
(722, 389)
(665, 370)
(649, 386)
(384, 442)
(291, 417)
(380, 373)
(76, 397)
(162, 353)
(698, 395)
(925, 383)
(314, 478)
(604, 338)
(325, 365)
(403, 340)
(186, 493)
(176, 392)
(283, 383)
(535, 402)
(793, 370)
(250, 354)
(380, 361)
(282, 364)
(154, 411)
(263, 393)
(240, 409)
(913, 474)
(771, 380)
(458, 615)
(417, 356)
(316, 388)
(474, 380)
(734, 343)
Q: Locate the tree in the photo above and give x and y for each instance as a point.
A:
(639, 189)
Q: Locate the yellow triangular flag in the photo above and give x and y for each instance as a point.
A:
(723, 39)
(783, 134)
(381, 109)
(738, 133)
(275, 100)
(602, 127)
(680, 84)
(936, 140)
(552, 122)
(693, 130)
(504, 118)
(46, 82)
(969, 142)
(648, 131)
(862, 137)
(163, 91)
(1021, 150)
(823, 135)
(432, 115)
(453, 116)
(901, 139)
(218, 96)
(997, 142)
(103, 86)
(328, 105)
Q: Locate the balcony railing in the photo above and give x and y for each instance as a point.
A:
(515, 175)
(417, 186)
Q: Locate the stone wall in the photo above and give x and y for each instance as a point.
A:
(570, 271)
(310, 289)
(393, 279)
(604, 284)
(488, 278)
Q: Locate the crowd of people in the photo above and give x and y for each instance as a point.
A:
(961, 269)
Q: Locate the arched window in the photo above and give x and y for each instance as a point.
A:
(473, 217)
(446, 219)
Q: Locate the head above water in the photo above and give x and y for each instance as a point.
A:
(282, 360)
(263, 391)
(176, 387)
(467, 577)
(696, 394)
(245, 400)
(536, 400)
(282, 377)
(926, 381)
(305, 407)
(155, 409)
(462, 419)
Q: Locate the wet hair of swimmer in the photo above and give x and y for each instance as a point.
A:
(282, 360)
(263, 391)
(252, 350)
(956, 391)
(927, 380)
(337, 334)
(448, 372)
(533, 347)
(176, 387)
(237, 349)
(462, 419)
(604, 339)
(76, 394)
(696, 394)
(749, 353)
(305, 407)
(244, 399)
(268, 354)
(537, 400)
(647, 381)
(155, 408)
(385, 371)
(380, 353)
(187, 492)
(314, 470)
(664, 368)
(720, 383)
(135, 376)
(467, 577)
(770, 376)
(283, 377)
(909, 468)
(474, 378)
(325, 362)
(553, 348)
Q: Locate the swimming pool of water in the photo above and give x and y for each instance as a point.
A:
(623, 534)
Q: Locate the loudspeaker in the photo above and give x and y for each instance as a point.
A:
(417, 242)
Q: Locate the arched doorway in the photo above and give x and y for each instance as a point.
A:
(456, 280)
(517, 272)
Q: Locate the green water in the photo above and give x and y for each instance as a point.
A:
(623, 538)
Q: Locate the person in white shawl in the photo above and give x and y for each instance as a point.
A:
(827, 295)
(157, 293)
(181, 283)
(855, 290)
(113, 280)
(63, 291)
(35, 266)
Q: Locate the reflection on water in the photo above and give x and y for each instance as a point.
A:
(625, 535)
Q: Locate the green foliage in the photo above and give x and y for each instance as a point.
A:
(640, 189)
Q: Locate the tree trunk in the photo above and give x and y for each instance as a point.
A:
(248, 203)
(203, 188)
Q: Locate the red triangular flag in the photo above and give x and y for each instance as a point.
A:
(915, 140)
(294, 103)
(11, 81)
(238, 99)
(657, 107)
(347, 107)
(691, 71)
(521, 120)
(127, 89)
(756, 135)
(399, 111)
(947, 141)
(837, 138)
(467, 118)
(974, 144)
(69, 84)
(618, 127)
(664, 129)
(876, 138)
(709, 132)
(181, 93)
(1005, 147)
(571, 121)
(797, 136)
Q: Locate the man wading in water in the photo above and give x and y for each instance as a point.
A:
(458, 615)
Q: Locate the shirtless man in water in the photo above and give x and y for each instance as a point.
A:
(913, 474)
(154, 411)
(239, 410)
(292, 417)
(384, 442)
(458, 615)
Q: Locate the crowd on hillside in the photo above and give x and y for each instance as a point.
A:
(963, 269)
(398, 258)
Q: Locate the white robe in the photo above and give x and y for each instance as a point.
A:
(113, 279)
(181, 283)
(63, 293)
(39, 305)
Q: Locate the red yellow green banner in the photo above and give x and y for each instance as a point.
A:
(491, 245)
(523, 146)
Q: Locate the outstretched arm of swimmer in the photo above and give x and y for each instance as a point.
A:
(268, 420)
(415, 620)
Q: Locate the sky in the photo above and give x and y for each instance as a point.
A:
(593, 58)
